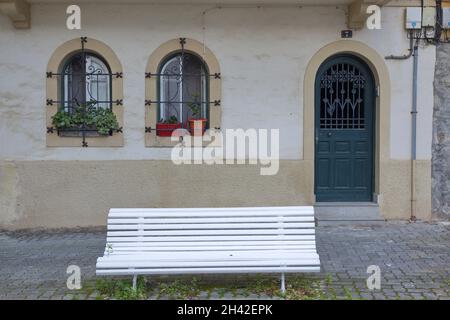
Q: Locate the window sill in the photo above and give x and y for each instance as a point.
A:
(79, 134)
(54, 140)
(208, 140)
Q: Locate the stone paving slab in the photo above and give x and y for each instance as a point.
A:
(414, 259)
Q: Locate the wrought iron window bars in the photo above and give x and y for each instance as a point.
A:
(175, 83)
(90, 85)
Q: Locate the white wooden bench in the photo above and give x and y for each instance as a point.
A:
(210, 240)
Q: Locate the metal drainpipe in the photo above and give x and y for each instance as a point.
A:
(414, 52)
(414, 133)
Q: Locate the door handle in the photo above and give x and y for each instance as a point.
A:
(329, 134)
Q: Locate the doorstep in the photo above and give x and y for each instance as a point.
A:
(347, 213)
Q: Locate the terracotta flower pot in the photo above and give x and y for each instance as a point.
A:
(201, 124)
(166, 129)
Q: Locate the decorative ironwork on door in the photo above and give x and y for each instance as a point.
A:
(341, 97)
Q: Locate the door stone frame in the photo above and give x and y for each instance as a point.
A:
(382, 104)
(356, 61)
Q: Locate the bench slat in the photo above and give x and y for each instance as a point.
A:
(207, 212)
(157, 220)
(209, 232)
(174, 250)
(209, 248)
(214, 256)
(186, 264)
(228, 209)
(144, 271)
(210, 238)
(185, 244)
(148, 226)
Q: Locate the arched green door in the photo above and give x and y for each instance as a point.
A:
(344, 125)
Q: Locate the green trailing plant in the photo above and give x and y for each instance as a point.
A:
(62, 120)
(105, 120)
(86, 115)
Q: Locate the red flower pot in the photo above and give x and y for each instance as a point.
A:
(166, 129)
(201, 124)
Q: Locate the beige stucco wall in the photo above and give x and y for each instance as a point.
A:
(10, 210)
(79, 193)
(395, 201)
(56, 194)
(264, 56)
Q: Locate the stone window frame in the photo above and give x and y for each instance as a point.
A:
(53, 93)
(151, 84)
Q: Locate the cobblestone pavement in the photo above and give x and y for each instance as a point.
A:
(414, 260)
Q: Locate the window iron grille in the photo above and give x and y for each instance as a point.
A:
(182, 88)
(85, 81)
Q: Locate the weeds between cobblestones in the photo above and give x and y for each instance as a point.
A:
(253, 287)
(257, 287)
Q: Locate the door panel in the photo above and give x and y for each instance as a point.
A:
(344, 119)
(324, 174)
(360, 168)
(342, 169)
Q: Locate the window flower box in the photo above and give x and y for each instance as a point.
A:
(85, 120)
(166, 129)
(79, 130)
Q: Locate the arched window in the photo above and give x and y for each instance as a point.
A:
(183, 88)
(84, 95)
(86, 77)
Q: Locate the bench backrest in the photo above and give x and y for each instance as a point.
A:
(197, 229)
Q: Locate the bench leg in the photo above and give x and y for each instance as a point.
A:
(135, 282)
(283, 286)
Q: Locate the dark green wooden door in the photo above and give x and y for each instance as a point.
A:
(344, 117)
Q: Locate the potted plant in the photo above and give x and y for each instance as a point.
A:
(86, 117)
(165, 128)
(196, 122)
